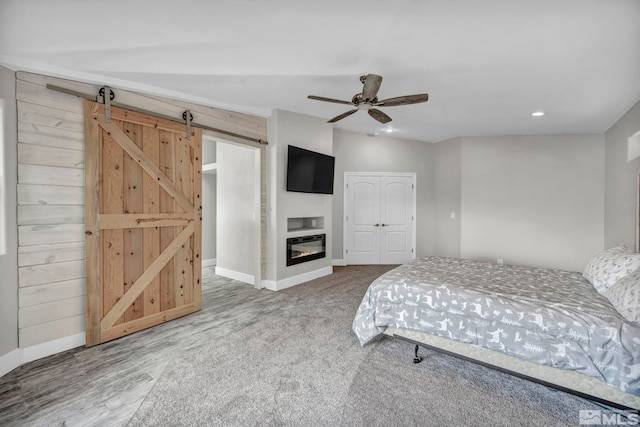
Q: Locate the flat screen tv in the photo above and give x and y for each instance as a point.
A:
(309, 172)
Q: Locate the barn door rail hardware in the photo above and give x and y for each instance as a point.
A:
(108, 102)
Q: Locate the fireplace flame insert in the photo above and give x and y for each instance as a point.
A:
(305, 248)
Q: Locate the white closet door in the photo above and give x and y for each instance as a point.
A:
(363, 220)
(379, 219)
(396, 205)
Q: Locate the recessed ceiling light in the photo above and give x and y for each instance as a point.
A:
(537, 113)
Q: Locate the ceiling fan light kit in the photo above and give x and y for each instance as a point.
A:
(368, 99)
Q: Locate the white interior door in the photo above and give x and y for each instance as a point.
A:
(363, 219)
(396, 216)
(379, 221)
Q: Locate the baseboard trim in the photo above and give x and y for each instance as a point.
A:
(48, 348)
(20, 356)
(339, 262)
(278, 285)
(211, 262)
(10, 361)
(235, 275)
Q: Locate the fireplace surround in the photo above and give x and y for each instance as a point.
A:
(305, 248)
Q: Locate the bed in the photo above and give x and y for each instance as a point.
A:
(551, 326)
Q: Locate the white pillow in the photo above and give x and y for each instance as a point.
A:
(625, 296)
(606, 268)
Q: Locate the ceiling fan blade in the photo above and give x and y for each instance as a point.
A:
(379, 115)
(403, 100)
(322, 98)
(372, 83)
(342, 116)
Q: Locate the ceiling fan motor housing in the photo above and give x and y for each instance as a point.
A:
(363, 104)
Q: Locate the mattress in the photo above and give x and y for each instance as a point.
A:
(545, 316)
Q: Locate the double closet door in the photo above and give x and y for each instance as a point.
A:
(380, 218)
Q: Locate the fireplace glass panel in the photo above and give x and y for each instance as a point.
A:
(306, 248)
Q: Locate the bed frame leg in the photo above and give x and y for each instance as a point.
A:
(416, 358)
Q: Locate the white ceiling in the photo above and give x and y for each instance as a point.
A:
(486, 64)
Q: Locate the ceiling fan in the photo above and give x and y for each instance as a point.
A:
(368, 99)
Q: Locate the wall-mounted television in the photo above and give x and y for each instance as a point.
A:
(309, 172)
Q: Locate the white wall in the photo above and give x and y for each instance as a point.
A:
(8, 221)
(208, 202)
(209, 217)
(237, 213)
(620, 181)
(533, 200)
(312, 133)
(357, 152)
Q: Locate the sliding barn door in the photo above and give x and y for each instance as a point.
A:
(142, 222)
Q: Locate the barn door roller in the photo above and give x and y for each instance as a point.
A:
(188, 118)
(106, 100)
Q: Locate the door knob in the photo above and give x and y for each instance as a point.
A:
(376, 225)
(385, 225)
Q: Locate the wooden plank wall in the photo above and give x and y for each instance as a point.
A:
(51, 197)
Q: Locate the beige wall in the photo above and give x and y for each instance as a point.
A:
(357, 152)
(312, 133)
(620, 181)
(448, 198)
(8, 222)
(529, 200)
(533, 200)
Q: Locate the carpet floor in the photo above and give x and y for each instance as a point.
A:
(300, 364)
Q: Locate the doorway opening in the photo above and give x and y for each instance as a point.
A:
(232, 210)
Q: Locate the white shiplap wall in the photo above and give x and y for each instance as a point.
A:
(51, 198)
(50, 213)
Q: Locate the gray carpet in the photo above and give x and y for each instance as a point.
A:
(302, 365)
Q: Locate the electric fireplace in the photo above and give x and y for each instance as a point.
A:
(305, 248)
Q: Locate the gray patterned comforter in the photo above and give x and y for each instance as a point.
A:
(551, 317)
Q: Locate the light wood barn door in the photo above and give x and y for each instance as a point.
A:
(142, 222)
